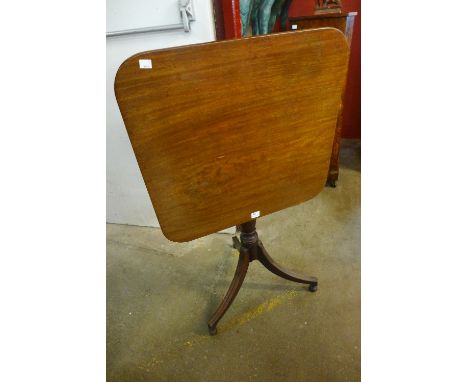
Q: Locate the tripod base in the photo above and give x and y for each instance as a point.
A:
(250, 249)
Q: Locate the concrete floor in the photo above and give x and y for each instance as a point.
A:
(160, 296)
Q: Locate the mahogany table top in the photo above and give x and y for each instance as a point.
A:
(227, 131)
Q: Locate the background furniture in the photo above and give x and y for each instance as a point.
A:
(207, 124)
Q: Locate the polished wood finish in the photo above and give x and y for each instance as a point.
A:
(236, 283)
(227, 18)
(218, 16)
(345, 23)
(224, 129)
(250, 249)
(231, 19)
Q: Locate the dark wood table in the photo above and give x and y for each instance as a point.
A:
(226, 132)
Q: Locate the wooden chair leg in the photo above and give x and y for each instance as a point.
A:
(236, 283)
(272, 266)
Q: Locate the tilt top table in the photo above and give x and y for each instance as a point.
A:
(229, 131)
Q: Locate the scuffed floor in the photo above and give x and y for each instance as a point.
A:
(160, 296)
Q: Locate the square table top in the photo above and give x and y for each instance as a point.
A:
(227, 131)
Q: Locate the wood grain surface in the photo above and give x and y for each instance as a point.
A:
(343, 22)
(224, 129)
